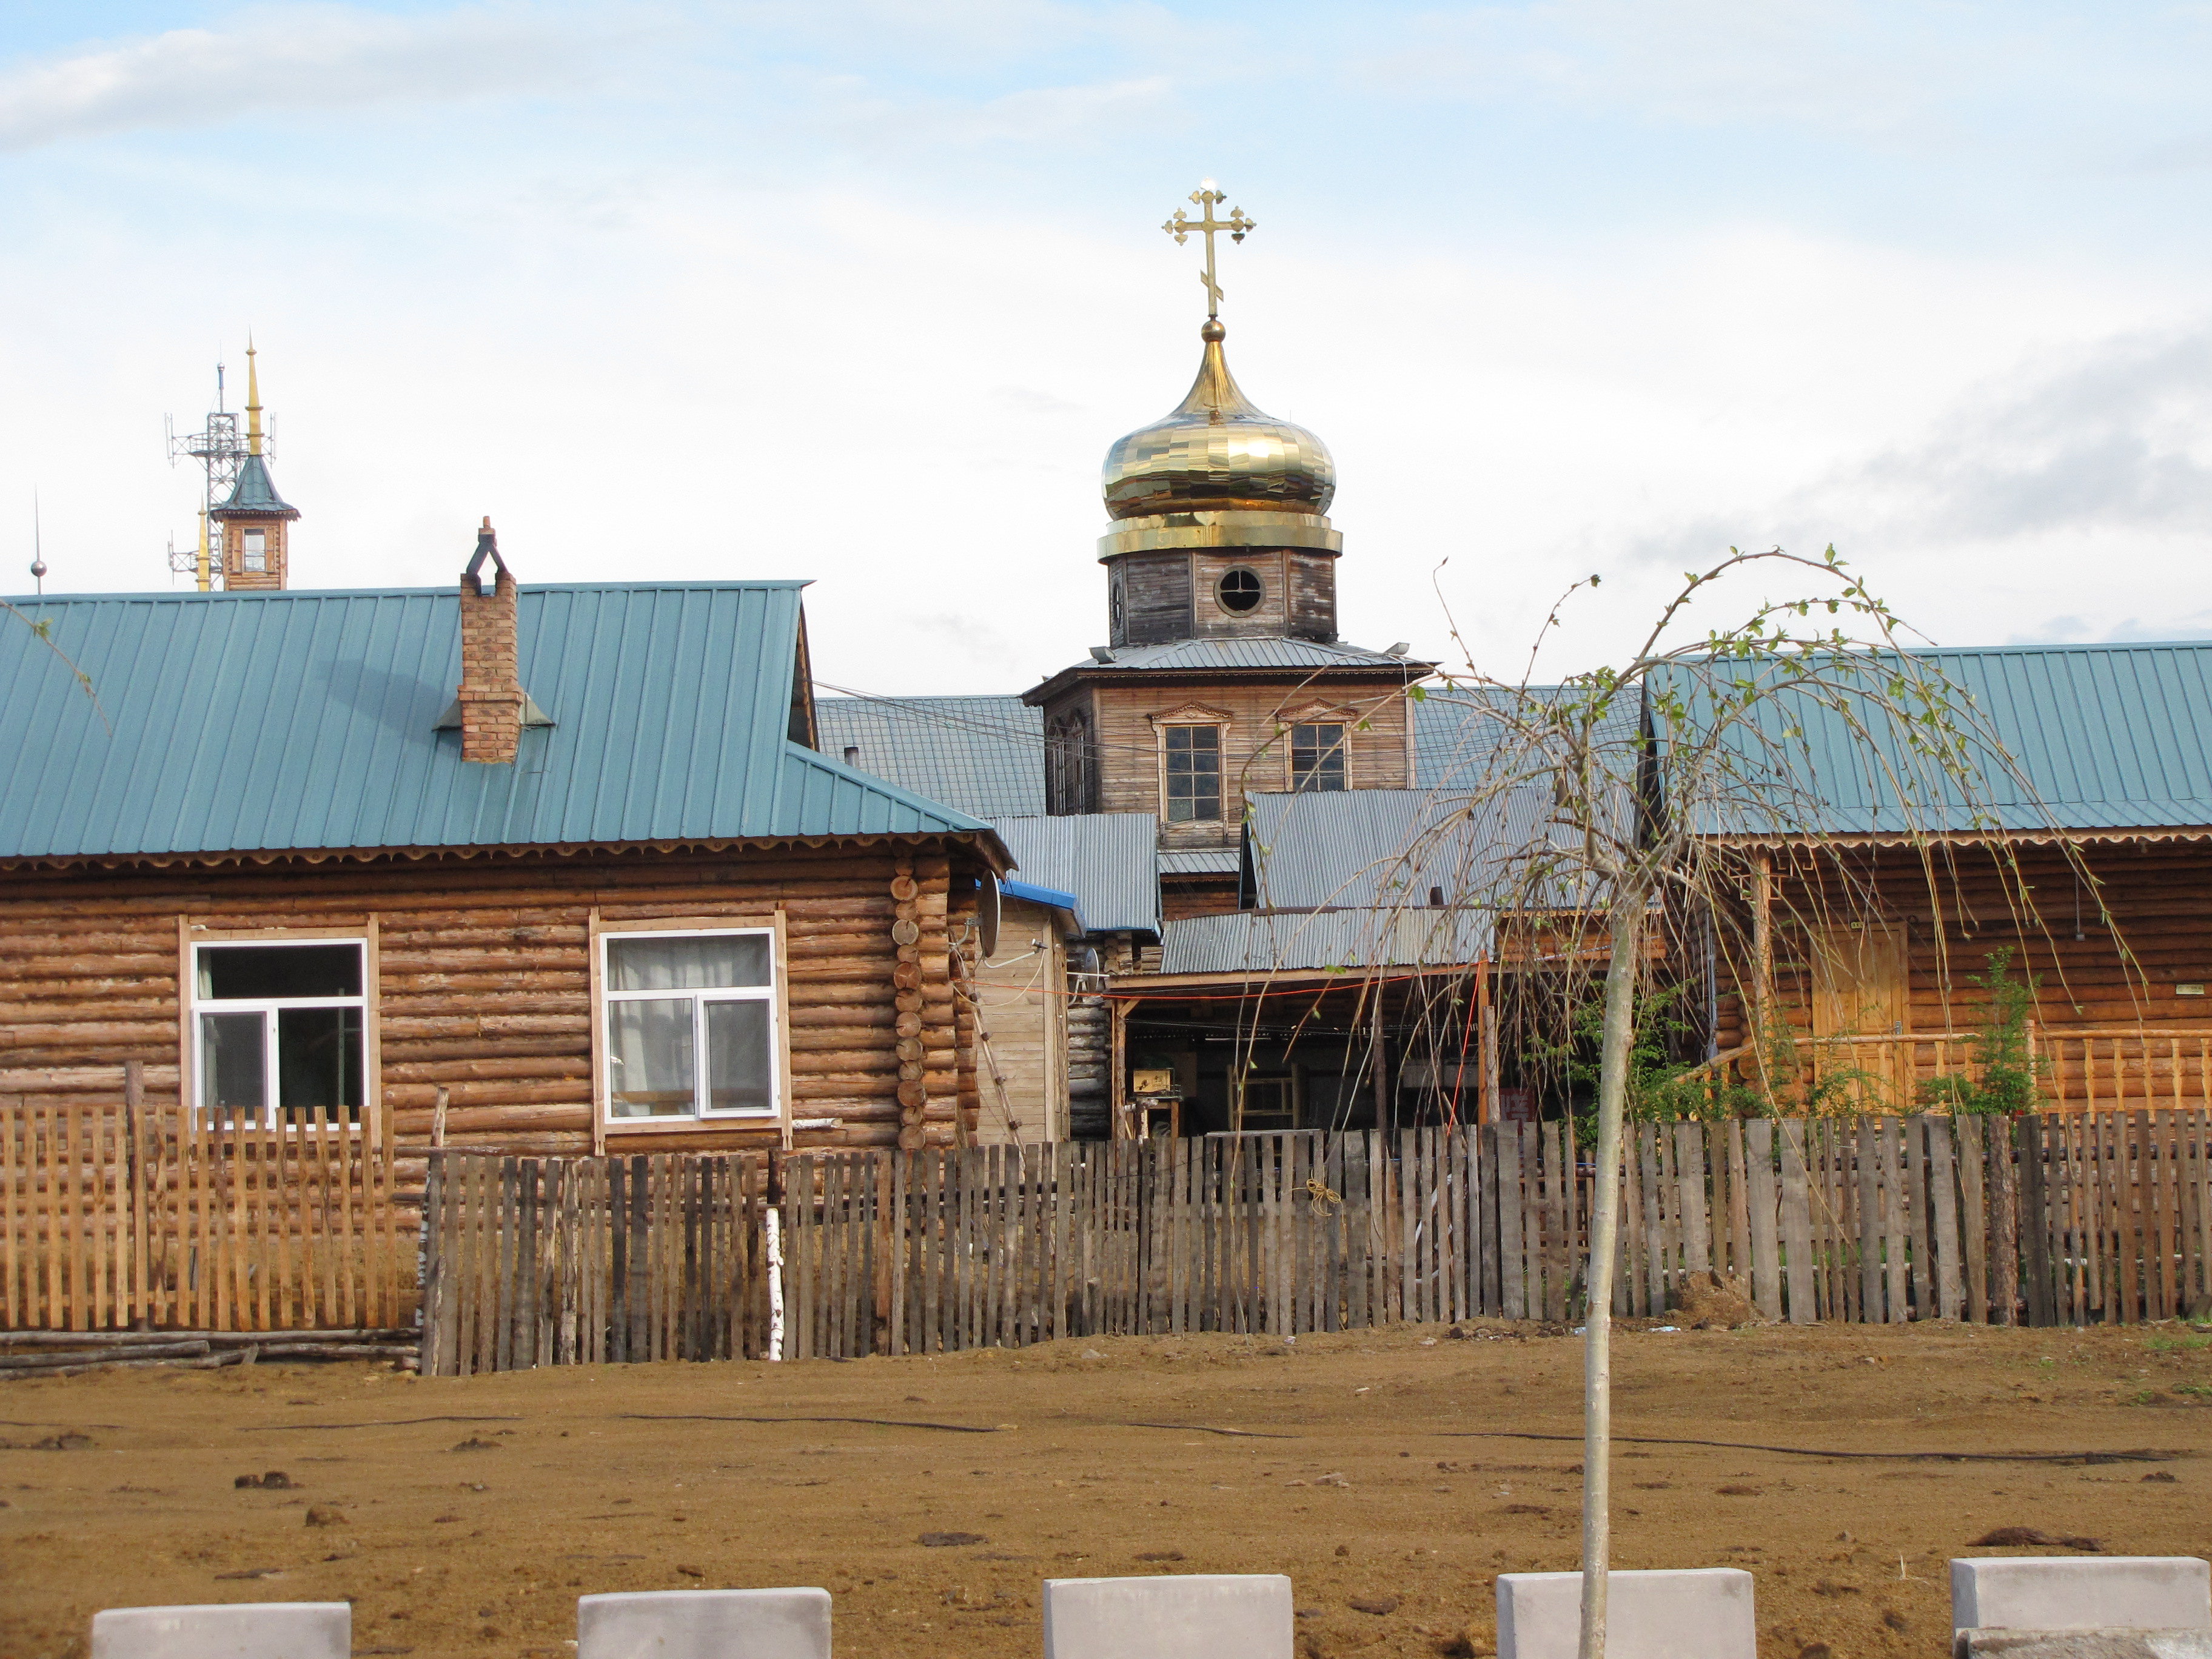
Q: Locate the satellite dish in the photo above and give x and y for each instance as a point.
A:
(987, 913)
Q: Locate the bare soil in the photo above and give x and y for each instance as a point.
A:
(1392, 1474)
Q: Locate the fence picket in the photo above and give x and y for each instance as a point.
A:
(1799, 1278)
(1913, 1176)
(1761, 1213)
(1950, 1285)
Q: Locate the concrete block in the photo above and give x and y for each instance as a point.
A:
(2083, 1645)
(1694, 1612)
(1181, 1616)
(2081, 1592)
(739, 1624)
(226, 1630)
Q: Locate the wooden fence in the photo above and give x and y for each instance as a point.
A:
(113, 1217)
(563, 1261)
(2038, 1220)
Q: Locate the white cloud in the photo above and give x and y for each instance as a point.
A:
(1852, 65)
(2113, 436)
(287, 57)
(2081, 477)
(1033, 115)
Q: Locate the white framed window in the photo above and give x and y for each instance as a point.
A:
(253, 549)
(690, 1024)
(1190, 781)
(279, 1030)
(1317, 756)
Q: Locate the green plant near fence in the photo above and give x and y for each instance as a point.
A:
(2001, 1077)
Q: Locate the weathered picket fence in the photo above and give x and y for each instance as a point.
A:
(114, 1216)
(563, 1261)
(2037, 1220)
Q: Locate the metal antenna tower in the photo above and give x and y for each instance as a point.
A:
(219, 448)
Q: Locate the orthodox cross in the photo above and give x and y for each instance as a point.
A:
(1236, 224)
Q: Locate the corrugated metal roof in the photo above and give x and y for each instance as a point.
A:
(1462, 736)
(1263, 941)
(1394, 847)
(1105, 858)
(303, 721)
(2063, 738)
(1201, 861)
(1264, 652)
(982, 755)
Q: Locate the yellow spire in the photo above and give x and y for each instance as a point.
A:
(252, 402)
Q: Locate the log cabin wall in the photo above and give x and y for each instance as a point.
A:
(2157, 894)
(482, 983)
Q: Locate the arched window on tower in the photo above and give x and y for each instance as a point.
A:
(1070, 776)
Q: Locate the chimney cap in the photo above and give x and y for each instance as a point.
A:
(487, 544)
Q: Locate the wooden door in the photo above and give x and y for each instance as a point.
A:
(1859, 985)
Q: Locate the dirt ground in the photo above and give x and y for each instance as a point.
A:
(1392, 1474)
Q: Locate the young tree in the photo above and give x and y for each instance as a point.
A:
(1604, 805)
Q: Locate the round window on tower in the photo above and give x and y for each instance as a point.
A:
(1239, 590)
(1116, 610)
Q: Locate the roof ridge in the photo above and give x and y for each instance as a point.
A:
(780, 583)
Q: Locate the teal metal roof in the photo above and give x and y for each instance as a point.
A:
(254, 492)
(2081, 738)
(286, 721)
(982, 755)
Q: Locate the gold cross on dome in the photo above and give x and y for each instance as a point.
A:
(1208, 198)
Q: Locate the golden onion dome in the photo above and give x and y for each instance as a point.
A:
(1217, 452)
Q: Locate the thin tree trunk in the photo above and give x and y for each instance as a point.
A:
(1605, 1206)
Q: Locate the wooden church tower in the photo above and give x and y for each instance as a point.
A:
(1223, 675)
(252, 522)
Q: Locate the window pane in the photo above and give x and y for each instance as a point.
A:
(739, 1066)
(269, 971)
(232, 1082)
(318, 1061)
(718, 961)
(650, 1067)
(1194, 758)
(1317, 757)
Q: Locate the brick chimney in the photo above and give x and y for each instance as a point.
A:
(491, 699)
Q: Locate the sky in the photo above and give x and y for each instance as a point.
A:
(861, 292)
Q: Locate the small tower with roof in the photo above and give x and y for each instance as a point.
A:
(1223, 675)
(254, 521)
